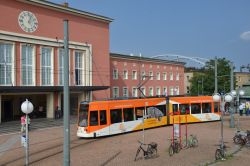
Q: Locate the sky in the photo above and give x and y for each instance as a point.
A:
(190, 28)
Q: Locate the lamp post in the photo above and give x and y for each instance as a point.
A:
(222, 99)
(237, 95)
(27, 107)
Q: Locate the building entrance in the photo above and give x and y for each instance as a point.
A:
(7, 112)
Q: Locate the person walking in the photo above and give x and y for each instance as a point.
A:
(241, 107)
(22, 123)
(247, 108)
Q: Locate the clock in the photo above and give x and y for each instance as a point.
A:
(27, 21)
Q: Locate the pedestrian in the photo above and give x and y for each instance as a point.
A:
(241, 107)
(22, 123)
(28, 122)
(56, 113)
(247, 108)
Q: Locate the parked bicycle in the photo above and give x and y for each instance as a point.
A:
(149, 150)
(174, 147)
(242, 138)
(191, 142)
(220, 153)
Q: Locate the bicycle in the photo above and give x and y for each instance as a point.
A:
(149, 150)
(220, 152)
(192, 141)
(242, 137)
(174, 147)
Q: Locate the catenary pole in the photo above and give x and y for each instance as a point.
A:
(215, 76)
(66, 145)
(232, 124)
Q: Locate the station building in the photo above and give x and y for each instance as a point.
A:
(155, 77)
(31, 57)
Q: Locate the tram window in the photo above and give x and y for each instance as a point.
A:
(128, 114)
(184, 108)
(116, 116)
(216, 107)
(83, 116)
(196, 108)
(206, 108)
(156, 111)
(103, 117)
(175, 108)
(93, 118)
(139, 112)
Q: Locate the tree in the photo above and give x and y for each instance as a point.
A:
(202, 82)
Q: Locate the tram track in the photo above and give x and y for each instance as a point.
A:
(47, 152)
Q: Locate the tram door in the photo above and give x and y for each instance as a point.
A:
(116, 125)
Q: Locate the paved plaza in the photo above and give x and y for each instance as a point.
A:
(46, 147)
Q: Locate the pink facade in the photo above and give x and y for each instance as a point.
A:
(88, 35)
(159, 71)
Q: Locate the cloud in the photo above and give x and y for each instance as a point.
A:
(245, 35)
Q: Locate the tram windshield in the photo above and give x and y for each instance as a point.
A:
(83, 115)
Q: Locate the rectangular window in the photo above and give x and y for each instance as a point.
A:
(184, 108)
(116, 116)
(171, 90)
(125, 92)
(206, 108)
(6, 64)
(171, 76)
(27, 65)
(158, 91)
(94, 118)
(151, 91)
(115, 74)
(46, 66)
(128, 114)
(134, 92)
(195, 108)
(79, 68)
(139, 112)
(175, 108)
(177, 91)
(115, 92)
(125, 74)
(156, 111)
(143, 91)
(60, 66)
(134, 75)
(143, 75)
(177, 76)
(158, 76)
(164, 76)
(151, 75)
(103, 117)
(165, 91)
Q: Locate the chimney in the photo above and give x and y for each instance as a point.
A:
(65, 4)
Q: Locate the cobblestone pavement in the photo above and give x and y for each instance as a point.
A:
(46, 147)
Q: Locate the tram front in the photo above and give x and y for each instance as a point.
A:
(83, 114)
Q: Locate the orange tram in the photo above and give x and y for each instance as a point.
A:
(104, 118)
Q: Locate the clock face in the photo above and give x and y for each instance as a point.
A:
(27, 21)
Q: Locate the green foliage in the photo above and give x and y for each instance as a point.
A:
(202, 82)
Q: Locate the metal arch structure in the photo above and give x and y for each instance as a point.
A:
(198, 60)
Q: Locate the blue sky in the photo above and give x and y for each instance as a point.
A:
(194, 28)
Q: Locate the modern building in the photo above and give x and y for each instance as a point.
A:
(153, 76)
(31, 56)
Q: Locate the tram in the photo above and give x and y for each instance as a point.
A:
(110, 117)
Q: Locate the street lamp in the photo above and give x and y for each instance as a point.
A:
(27, 107)
(237, 95)
(222, 99)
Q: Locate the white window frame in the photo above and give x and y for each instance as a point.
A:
(151, 75)
(158, 91)
(125, 92)
(151, 91)
(158, 76)
(125, 74)
(60, 66)
(115, 91)
(134, 92)
(143, 74)
(48, 81)
(134, 75)
(171, 76)
(79, 77)
(171, 90)
(177, 90)
(164, 76)
(7, 80)
(115, 74)
(177, 76)
(143, 89)
(165, 91)
(28, 81)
